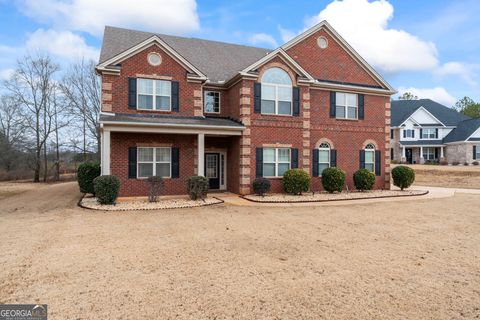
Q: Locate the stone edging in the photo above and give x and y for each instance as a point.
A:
(422, 193)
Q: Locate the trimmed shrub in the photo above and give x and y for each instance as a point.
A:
(197, 187)
(465, 163)
(333, 179)
(296, 181)
(444, 163)
(86, 173)
(403, 176)
(155, 185)
(106, 189)
(475, 163)
(455, 163)
(363, 179)
(261, 186)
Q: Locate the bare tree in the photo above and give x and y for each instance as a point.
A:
(32, 86)
(81, 88)
(10, 131)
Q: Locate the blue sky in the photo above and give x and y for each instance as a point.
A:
(431, 48)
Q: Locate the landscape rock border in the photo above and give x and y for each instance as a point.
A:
(326, 197)
(92, 204)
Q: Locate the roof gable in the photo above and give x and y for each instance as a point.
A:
(422, 117)
(465, 130)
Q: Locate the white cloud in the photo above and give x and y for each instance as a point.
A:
(263, 38)
(63, 44)
(461, 70)
(5, 74)
(438, 94)
(177, 17)
(364, 25)
(286, 34)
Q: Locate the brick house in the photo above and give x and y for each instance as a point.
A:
(424, 130)
(178, 107)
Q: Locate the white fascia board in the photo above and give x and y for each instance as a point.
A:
(347, 87)
(144, 44)
(171, 130)
(170, 125)
(335, 35)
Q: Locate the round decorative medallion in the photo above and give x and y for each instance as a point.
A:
(154, 59)
(322, 42)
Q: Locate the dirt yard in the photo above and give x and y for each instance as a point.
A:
(447, 176)
(416, 259)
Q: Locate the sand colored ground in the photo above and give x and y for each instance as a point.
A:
(392, 260)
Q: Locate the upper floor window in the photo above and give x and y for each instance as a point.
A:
(154, 94)
(370, 157)
(276, 92)
(276, 161)
(429, 133)
(408, 133)
(212, 102)
(154, 162)
(346, 105)
(323, 157)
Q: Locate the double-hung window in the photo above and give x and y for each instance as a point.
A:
(323, 157)
(477, 152)
(154, 162)
(429, 133)
(429, 153)
(370, 157)
(276, 92)
(276, 161)
(346, 105)
(408, 133)
(154, 94)
(212, 102)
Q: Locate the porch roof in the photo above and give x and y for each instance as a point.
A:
(421, 143)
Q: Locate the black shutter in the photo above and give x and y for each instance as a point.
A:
(474, 152)
(294, 160)
(175, 163)
(175, 96)
(333, 158)
(436, 133)
(333, 104)
(315, 163)
(296, 101)
(132, 162)
(362, 159)
(413, 133)
(257, 97)
(132, 93)
(361, 106)
(404, 133)
(378, 167)
(421, 134)
(259, 162)
(391, 133)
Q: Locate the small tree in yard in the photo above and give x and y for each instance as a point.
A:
(197, 187)
(106, 189)
(155, 185)
(86, 173)
(403, 176)
(363, 179)
(296, 181)
(333, 180)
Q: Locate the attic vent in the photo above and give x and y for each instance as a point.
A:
(322, 42)
(154, 59)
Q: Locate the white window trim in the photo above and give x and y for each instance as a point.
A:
(346, 106)
(372, 150)
(154, 96)
(154, 162)
(329, 157)
(409, 131)
(276, 162)
(219, 101)
(428, 151)
(429, 129)
(477, 155)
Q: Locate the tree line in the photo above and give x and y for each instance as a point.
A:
(47, 112)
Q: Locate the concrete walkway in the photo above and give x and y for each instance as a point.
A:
(433, 193)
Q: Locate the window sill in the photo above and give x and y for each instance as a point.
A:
(273, 178)
(153, 110)
(344, 119)
(145, 178)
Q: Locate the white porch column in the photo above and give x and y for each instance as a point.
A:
(403, 152)
(105, 150)
(441, 153)
(201, 154)
(421, 160)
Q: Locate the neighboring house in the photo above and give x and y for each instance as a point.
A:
(178, 107)
(426, 131)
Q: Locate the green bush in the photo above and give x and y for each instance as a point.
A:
(197, 187)
(106, 189)
(296, 181)
(86, 173)
(363, 179)
(475, 163)
(333, 179)
(403, 176)
(261, 186)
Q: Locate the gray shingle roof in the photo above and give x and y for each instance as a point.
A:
(463, 130)
(421, 142)
(170, 120)
(402, 109)
(219, 61)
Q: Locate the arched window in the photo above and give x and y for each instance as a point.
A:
(276, 92)
(323, 157)
(370, 157)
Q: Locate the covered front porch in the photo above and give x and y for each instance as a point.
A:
(419, 154)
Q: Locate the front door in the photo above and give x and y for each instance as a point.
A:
(212, 172)
(408, 155)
